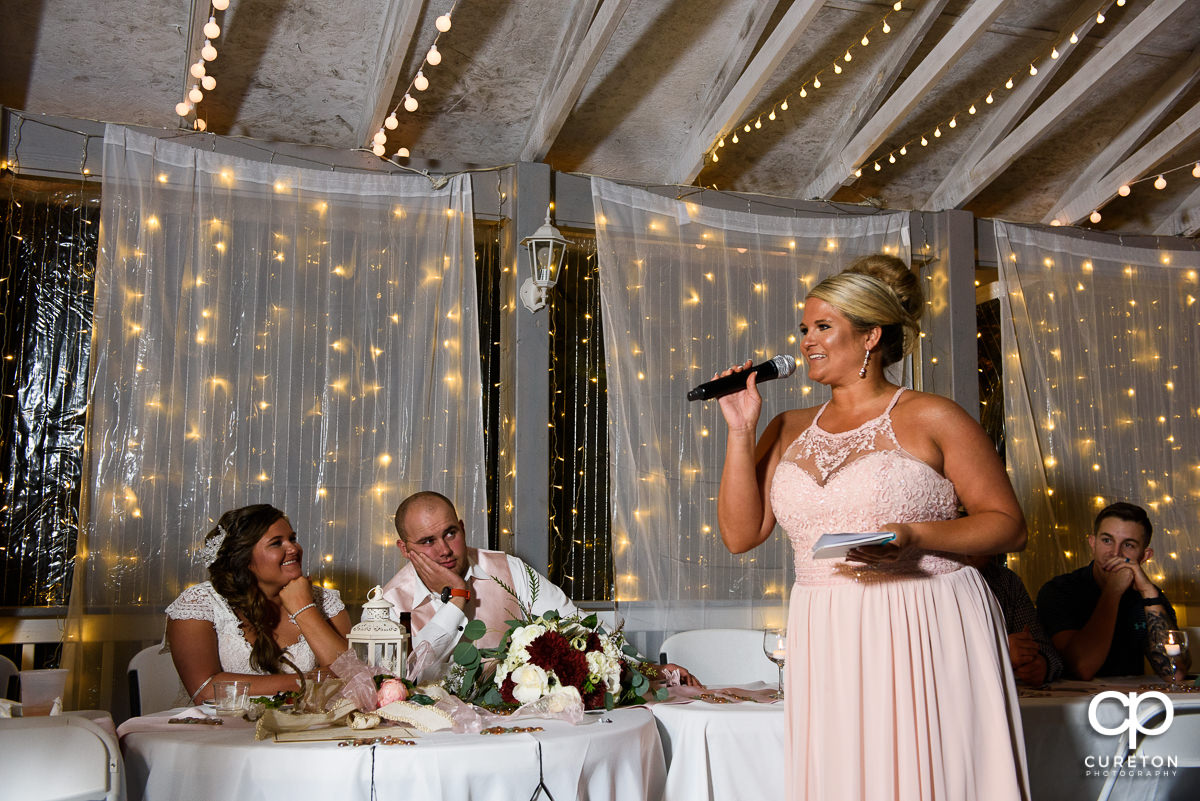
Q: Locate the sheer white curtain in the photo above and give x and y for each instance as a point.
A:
(1102, 403)
(266, 333)
(685, 290)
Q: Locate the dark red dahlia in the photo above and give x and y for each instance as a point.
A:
(506, 690)
(595, 699)
(553, 652)
(593, 643)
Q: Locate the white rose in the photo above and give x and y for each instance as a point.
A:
(531, 683)
(563, 698)
(605, 668)
(522, 637)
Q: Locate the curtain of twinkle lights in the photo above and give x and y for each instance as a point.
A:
(1101, 352)
(686, 290)
(267, 333)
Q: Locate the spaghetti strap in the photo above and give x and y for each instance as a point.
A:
(821, 411)
(895, 398)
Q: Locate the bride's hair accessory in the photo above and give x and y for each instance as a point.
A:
(212, 546)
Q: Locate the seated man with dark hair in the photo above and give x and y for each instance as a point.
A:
(1106, 616)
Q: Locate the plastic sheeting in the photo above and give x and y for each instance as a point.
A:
(49, 232)
(687, 290)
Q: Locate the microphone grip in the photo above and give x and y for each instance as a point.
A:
(734, 382)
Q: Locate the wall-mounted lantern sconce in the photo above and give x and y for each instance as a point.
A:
(547, 247)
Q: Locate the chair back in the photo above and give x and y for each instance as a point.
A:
(154, 686)
(58, 758)
(7, 671)
(721, 657)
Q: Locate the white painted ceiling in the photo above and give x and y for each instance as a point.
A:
(640, 90)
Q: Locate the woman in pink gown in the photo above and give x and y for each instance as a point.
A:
(898, 681)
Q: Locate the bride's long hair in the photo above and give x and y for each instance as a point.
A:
(230, 575)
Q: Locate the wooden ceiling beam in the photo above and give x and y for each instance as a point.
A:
(1150, 115)
(737, 56)
(587, 35)
(1072, 92)
(1138, 165)
(887, 71)
(1186, 219)
(399, 24)
(957, 41)
(1006, 114)
(793, 23)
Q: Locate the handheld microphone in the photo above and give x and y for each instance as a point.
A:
(779, 367)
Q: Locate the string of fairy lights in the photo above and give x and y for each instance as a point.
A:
(199, 70)
(418, 83)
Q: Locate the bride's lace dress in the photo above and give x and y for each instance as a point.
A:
(898, 678)
(203, 602)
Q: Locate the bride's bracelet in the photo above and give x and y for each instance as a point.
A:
(296, 614)
(204, 684)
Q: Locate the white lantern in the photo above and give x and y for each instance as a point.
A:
(377, 640)
(546, 247)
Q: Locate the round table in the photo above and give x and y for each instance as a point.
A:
(614, 755)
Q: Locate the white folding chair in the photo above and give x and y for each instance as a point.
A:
(721, 657)
(60, 758)
(7, 671)
(154, 685)
(1180, 744)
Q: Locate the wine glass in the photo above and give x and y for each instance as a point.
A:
(775, 647)
(1175, 646)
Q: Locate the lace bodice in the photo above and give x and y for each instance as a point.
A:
(858, 481)
(203, 602)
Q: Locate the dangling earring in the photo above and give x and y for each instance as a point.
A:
(866, 358)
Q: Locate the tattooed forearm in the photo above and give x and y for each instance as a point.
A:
(1157, 626)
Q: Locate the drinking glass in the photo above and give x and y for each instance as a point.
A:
(1176, 647)
(231, 697)
(775, 647)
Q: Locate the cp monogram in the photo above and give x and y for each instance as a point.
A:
(1131, 701)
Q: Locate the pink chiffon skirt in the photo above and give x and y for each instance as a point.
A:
(902, 690)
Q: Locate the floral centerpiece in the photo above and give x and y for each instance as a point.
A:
(571, 659)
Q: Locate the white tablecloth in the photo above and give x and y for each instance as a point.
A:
(616, 755)
(729, 752)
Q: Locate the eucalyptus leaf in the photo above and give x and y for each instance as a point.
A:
(609, 701)
(422, 700)
(551, 614)
(492, 697)
(474, 630)
(470, 676)
(661, 694)
(466, 654)
(590, 622)
(629, 650)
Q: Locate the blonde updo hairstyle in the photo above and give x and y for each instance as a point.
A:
(878, 290)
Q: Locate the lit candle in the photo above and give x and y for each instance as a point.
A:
(780, 653)
(1173, 649)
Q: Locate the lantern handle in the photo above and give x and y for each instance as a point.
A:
(375, 594)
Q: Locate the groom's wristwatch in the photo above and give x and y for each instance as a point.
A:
(448, 593)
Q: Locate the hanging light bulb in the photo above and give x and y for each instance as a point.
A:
(877, 167)
(199, 124)
(714, 156)
(1008, 84)
(1074, 38)
(783, 106)
(721, 142)
(197, 70)
(891, 158)
(420, 83)
(391, 123)
(1054, 52)
(208, 52)
(865, 40)
(208, 82)
(858, 173)
(886, 28)
(1056, 222)
(746, 128)
(1094, 216)
(837, 69)
(377, 149)
(380, 137)
(758, 123)
(847, 58)
(220, 5)
(816, 83)
(1100, 18)
(771, 116)
(195, 95)
(937, 132)
(904, 150)
(1120, 3)
(735, 139)
(211, 29)
(803, 92)
(402, 153)
(442, 23)
(896, 6)
(433, 56)
(989, 99)
(182, 108)
(924, 141)
(1032, 70)
(1160, 183)
(954, 122)
(410, 102)
(1124, 190)
(971, 110)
